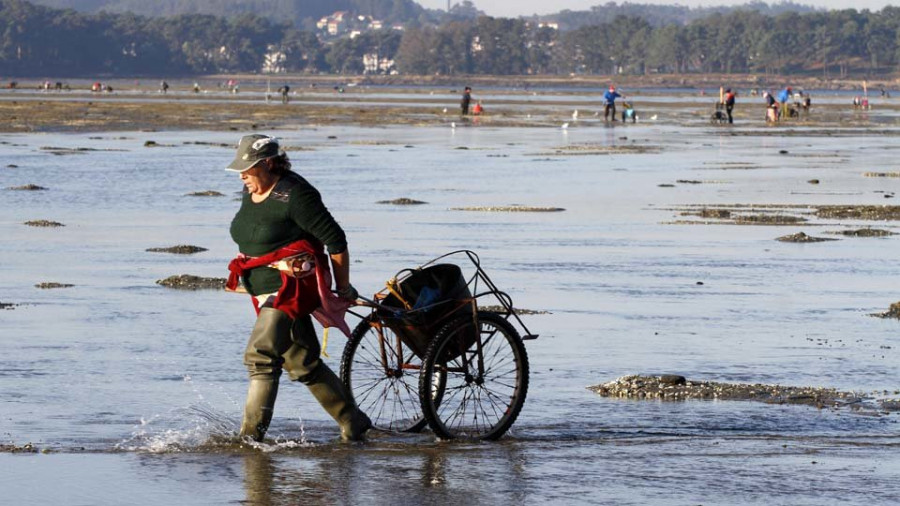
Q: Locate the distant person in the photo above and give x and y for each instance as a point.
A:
(609, 103)
(164, 87)
(466, 100)
(805, 103)
(478, 110)
(284, 93)
(771, 107)
(783, 97)
(196, 87)
(628, 113)
(729, 104)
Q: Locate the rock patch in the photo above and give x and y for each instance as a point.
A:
(191, 282)
(510, 209)
(7, 305)
(206, 193)
(881, 174)
(678, 388)
(181, 249)
(865, 232)
(518, 311)
(47, 285)
(880, 213)
(802, 237)
(27, 187)
(11, 448)
(892, 312)
(44, 223)
(403, 201)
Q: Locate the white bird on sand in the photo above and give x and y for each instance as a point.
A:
(452, 124)
(564, 126)
(575, 115)
(653, 117)
(445, 110)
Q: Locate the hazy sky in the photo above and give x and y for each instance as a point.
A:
(513, 8)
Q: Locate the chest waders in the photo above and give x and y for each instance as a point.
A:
(277, 343)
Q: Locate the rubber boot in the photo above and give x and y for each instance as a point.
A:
(259, 408)
(327, 388)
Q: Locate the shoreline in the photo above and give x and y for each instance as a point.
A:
(670, 81)
(141, 108)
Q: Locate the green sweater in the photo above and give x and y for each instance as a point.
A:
(292, 211)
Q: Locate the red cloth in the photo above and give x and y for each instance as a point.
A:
(298, 297)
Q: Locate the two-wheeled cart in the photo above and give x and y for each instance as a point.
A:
(430, 352)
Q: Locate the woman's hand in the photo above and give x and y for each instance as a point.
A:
(348, 292)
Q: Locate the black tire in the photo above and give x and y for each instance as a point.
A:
(390, 397)
(474, 405)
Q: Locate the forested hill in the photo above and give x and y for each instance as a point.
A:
(300, 12)
(39, 40)
(661, 15)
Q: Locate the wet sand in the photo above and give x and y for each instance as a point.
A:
(135, 106)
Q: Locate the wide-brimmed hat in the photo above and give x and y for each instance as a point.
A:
(253, 148)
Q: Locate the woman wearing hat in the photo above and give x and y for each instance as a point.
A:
(282, 230)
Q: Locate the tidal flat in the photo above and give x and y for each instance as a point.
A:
(117, 379)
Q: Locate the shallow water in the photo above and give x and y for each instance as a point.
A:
(127, 382)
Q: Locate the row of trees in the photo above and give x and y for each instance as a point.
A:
(36, 40)
(737, 42)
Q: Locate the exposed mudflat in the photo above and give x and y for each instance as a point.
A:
(784, 214)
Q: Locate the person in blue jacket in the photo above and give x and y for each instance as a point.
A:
(783, 97)
(609, 103)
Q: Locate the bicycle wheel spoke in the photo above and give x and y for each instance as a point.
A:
(485, 385)
(379, 380)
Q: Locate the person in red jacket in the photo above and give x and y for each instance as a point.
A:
(729, 103)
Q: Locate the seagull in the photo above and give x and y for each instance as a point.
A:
(564, 126)
(575, 115)
(653, 117)
(452, 124)
(445, 110)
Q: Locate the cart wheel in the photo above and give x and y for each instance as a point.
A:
(380, 372)
(484, 376)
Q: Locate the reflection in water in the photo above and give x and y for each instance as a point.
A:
(433, 470)
(377, 474)
(258, 478)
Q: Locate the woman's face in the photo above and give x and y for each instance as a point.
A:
(258, 179)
